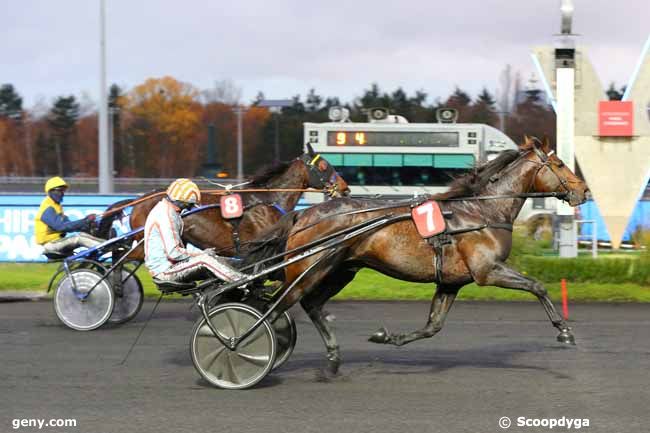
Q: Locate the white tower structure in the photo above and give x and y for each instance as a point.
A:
(610, 139)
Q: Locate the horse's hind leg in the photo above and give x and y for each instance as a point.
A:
(313, 305)
(440, 305)
(503, 276)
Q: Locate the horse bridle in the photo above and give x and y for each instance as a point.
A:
(545, 161)
(325, 179)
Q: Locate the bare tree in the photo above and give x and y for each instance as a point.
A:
(224, 91)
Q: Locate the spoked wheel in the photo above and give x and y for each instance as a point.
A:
(77, 264)
(129, 303)
(77, 306)
(287, 335)
(243, 367)
(285, 331)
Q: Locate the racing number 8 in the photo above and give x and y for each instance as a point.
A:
(231, 206)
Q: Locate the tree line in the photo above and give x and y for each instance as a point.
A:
(159, 128)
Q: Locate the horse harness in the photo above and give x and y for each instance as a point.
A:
(438, 241)
(320, 174)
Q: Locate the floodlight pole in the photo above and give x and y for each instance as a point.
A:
(275, 106)
(277, 136)
(240, 143)
(105, 177)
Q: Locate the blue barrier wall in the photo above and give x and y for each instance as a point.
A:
(17, 212)
(589, 211)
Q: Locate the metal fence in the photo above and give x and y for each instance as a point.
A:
(89, 185)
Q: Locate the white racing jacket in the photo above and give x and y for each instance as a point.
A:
(163, 246)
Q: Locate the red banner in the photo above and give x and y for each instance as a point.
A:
(615, 119)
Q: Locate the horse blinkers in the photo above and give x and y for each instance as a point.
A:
(321, 174)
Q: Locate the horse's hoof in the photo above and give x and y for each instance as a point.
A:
(327, 374)
(380, 336)
(333, 367)
(566, 337)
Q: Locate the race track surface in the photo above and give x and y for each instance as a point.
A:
(491, 360)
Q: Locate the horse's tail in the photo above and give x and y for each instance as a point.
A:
(272, 241)
(106, 223)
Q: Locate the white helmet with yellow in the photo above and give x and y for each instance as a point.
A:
(184, 191)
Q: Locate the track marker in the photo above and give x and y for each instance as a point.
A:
(565, 300)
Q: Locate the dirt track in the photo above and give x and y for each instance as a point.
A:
(490, 360)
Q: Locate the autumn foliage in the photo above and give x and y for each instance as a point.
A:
(164, 118)
(159, 128)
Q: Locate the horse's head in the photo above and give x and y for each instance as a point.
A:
(323, 175)
(553, 175)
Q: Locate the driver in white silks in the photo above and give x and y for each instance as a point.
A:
(165, 255)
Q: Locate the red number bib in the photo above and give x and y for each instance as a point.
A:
(428, 219)
(231, 206)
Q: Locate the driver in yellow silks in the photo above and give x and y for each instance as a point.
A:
(51, 224)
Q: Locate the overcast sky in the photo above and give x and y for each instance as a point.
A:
(285, 47)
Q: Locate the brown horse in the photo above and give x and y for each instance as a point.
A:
(207, 228)
(479, 242)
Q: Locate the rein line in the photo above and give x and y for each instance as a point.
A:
(411, 203)
(231, 191)
(403, 217)
(210, 192)
(507, 196)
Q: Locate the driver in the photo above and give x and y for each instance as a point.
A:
(51, 224)
(165, 255)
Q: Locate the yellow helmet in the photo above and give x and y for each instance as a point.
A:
(55, 182)
(184, 190)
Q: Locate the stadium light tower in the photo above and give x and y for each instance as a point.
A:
(105, 154)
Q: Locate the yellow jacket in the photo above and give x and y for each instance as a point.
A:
(44, 233)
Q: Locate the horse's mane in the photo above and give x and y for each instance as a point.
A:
(266, 173)
(474, 181)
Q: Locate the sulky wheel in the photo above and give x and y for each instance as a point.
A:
(77, 264)
(80, 306)
(243, 367)
(286, 334)
(285, 331)
(129, 301)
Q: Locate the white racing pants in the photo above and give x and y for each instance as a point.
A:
(201, 267)
(67, 244)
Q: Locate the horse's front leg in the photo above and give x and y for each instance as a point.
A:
(313, 306)
(333, 354)
(503, 276)
(440, 305)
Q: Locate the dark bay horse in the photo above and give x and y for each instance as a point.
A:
(207, 229)
(398, 250)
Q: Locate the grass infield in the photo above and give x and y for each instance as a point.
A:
(368, 285)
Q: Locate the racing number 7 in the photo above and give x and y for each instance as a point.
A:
(428, 219)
